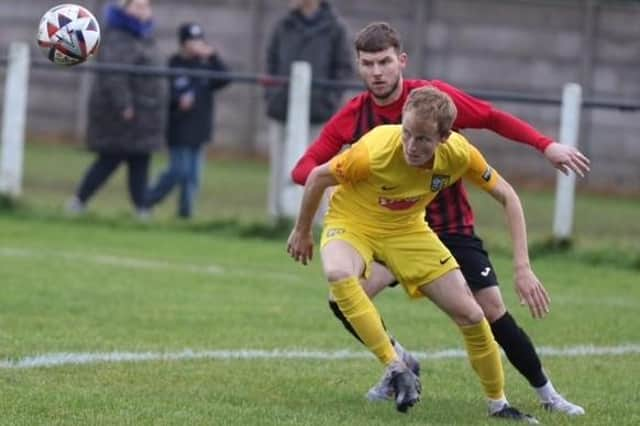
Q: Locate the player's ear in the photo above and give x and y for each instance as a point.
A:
(403, 59)
(445, 136)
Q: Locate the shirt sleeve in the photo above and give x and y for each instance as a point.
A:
(474, 113)
(479, 172)
(352, 165)
(328, 145)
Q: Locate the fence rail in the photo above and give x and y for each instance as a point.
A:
(266, 80)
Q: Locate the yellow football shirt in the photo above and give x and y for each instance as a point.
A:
(380, 192)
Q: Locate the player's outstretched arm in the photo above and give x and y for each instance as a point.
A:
(475, 113)
(328, 144)
(529, 288)
(300, 242)
(565, 158)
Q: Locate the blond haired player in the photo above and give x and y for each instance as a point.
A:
(384, 182)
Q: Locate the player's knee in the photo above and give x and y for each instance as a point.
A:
(337, 274)
(494, 311)
(491, 303)
(472, 314)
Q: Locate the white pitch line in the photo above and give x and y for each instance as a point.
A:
(61, 359)
(150, 264)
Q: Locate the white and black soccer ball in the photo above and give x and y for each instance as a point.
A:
(68, 34)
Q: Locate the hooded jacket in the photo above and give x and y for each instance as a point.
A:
(193, 127)
(126, 41)
(320, 40)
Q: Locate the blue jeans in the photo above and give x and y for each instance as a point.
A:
(185, 166)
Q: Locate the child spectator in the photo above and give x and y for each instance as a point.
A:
(191, 112)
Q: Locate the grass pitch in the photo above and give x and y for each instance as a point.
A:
(103, 287)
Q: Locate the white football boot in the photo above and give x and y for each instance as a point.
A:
(383, 390)
(558, 404)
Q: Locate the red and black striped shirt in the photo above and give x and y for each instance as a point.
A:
(450, 212)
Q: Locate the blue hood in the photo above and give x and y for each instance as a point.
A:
(115, 17)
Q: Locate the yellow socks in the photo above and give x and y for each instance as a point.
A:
(485, 358)
(363, 317)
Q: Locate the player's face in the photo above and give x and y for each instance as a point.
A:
(419, 140)
(382, 73)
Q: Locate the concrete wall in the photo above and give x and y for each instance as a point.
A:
(528, 46)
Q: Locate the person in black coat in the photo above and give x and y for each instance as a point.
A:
(190, 125)
(311, 31)
(126, 112)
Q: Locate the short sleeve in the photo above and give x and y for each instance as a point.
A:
(351, 165)
(479, 171)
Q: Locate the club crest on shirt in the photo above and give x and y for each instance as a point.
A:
(438, 182)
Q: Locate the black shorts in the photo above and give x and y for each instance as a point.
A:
(473, 260)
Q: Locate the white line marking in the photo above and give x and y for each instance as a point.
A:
(150, 264)
(60, 359)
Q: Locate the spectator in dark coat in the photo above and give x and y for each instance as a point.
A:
(313, 33)
(191, 112)
(126, 111)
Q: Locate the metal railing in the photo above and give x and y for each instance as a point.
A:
(267, 80)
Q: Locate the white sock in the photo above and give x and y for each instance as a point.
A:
(546, 392)
(496, 405)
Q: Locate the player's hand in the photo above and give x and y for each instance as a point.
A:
(565, 158)
(300, 246)
(532, 293)
(128, 113)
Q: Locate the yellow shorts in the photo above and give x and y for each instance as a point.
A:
(415, 257)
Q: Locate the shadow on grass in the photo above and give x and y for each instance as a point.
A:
(569, 250)
(266, 230)
(279, 231)
(8, 204)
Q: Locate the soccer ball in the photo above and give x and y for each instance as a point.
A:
(68, 34)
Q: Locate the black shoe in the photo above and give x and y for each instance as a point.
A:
(511, 413)
(406, 386)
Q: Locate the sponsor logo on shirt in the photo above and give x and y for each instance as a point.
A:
(398, 204)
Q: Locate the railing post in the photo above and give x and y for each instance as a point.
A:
(565, 185)
(297, 132)
(14, 120)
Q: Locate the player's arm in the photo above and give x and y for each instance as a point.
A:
(300, 243)
(349, 167)
(328, 145)
(474, 113)
(529, 288)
